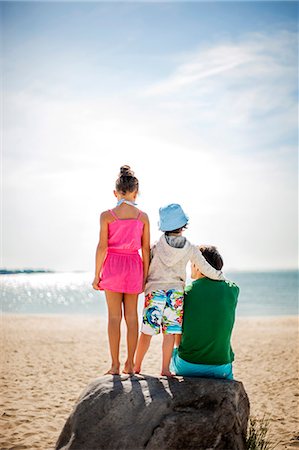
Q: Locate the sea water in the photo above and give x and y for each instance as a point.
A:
(261, 293)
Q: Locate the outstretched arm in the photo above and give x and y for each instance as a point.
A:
(101, 249)
(204, 267)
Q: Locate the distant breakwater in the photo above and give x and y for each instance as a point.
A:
(24, 271)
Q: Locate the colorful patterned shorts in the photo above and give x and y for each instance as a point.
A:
(163, 309)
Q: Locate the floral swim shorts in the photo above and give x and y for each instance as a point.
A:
(163, 309)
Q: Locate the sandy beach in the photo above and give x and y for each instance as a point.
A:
(48, 360)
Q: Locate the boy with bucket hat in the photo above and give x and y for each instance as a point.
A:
(164, 289)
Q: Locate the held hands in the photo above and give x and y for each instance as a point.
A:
(96, 282)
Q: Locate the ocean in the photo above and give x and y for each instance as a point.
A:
(261, 293)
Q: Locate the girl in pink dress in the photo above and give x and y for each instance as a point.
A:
(120, 271)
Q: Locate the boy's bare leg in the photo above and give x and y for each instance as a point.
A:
(142, 348)
(177, 340)
(167, 347)
(131, 318)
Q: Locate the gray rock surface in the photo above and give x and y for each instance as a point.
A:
(144, 412)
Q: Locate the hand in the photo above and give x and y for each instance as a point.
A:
(143, 286)
(95, 283)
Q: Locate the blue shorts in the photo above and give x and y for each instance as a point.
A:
(181, 367)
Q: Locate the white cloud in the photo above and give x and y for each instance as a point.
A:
(203, 65)
(243, 90)
(258, 56)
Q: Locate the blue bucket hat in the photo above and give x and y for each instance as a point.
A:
(172, 217)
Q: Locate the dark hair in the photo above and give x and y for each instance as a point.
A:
(212, 255)
(126, 181)
(177, 231)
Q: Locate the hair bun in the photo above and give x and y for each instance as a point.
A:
(126, 181)
(126, 171)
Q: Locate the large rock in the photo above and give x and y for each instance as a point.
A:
(143, 412)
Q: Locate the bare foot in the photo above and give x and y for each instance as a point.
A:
(137, 369)
(131, 372)
(113, 371)
(167, 373)
(129, 369)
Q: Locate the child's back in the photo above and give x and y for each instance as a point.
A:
(170, 256)
(122, 270)
(125, 234)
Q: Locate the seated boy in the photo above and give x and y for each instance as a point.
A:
(209, 315)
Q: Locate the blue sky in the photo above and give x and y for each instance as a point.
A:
(133, 38)
(199, 98)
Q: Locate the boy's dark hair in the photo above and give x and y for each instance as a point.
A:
(211, 254)
(126, 181)
(177, 231)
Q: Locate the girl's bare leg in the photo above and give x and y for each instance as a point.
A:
(114, 303)
(131, 318)
(142, 348)
(167, 347)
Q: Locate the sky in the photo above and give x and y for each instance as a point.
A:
(199, 98)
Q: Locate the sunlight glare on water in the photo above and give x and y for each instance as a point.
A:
(261, 293)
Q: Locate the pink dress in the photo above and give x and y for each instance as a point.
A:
(122, 270)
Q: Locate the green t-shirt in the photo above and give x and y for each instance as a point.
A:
(209, 315)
